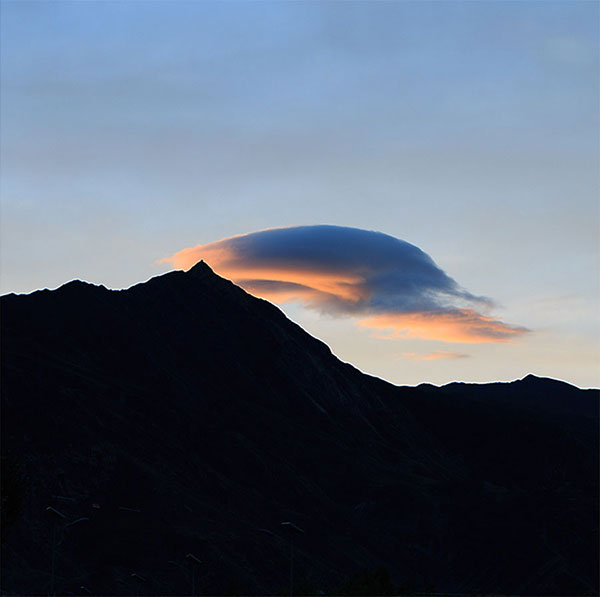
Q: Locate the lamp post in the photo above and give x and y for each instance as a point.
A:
(139, 580)
(195, 563)
(293, 530)
(56, 516)
(59, 517)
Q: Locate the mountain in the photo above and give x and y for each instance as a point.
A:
(184, 417)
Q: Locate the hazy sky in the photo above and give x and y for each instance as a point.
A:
(133, 130)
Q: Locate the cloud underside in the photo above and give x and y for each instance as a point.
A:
(385, 283)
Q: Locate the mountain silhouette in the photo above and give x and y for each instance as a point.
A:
(183, 420)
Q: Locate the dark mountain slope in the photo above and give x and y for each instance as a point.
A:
(195, 415)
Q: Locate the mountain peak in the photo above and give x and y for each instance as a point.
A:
(201, 269)
(531, 379)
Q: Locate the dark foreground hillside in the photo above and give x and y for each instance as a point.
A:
(183, 416)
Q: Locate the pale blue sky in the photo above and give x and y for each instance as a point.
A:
(131, 130)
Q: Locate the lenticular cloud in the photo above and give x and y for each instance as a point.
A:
(385, 282)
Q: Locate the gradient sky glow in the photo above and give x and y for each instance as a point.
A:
(131, 130)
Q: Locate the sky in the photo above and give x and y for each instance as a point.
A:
(466, 132)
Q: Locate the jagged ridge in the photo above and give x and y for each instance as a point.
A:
(212, 414)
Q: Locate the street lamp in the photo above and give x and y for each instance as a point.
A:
(195, 563)
(56, 516)
(139, 579)
(293, 530)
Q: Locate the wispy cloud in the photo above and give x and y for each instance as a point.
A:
(434, 356)
(385, 282)
(451, 325)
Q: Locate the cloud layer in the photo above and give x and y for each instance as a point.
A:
(387, 283)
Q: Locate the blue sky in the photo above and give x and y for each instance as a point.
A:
(131, 130)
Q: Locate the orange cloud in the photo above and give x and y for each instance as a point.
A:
(286, 283)
(456, 325)
(215, 254)
(276, 286)
(394, 285)
(294, 284)
(434, 356)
